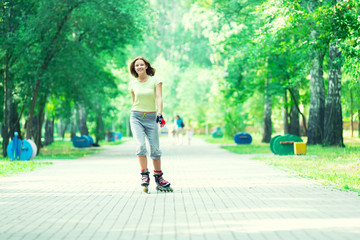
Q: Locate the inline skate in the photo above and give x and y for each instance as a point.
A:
(145, 180)
(162, 184)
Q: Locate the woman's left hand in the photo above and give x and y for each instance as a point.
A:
(160, 120)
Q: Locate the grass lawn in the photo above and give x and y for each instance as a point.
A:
(335, 166)
(106, 143)
(339, 167)
(8, 167)
(64, 150)
(228, 143)
(56, 150)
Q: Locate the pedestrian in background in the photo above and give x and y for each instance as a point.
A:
(179, 129)
(172, 133)
(189, 134)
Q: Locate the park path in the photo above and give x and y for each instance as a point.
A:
(217, 195)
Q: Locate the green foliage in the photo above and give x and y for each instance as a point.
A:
(212, 55)
(182, 60)
(193, 92)
(275, 41)
(8, 167)
(66, 46)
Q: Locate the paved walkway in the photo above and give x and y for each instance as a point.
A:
(217, 195)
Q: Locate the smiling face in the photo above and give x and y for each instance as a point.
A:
(140, 67)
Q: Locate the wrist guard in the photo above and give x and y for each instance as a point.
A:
(160, 119)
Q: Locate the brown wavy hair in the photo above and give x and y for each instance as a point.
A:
(149, 71)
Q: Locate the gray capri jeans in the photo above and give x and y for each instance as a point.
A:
(144, 124)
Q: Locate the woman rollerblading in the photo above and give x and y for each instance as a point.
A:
(146, 115)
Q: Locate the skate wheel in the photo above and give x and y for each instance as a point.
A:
(146, 189)
(167, 189)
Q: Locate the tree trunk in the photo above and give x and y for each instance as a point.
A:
(294, 122)
(62, 125)
(302, 121)
(29, 126)
(333, 134)
(6, 107)
(294, 128)
(100, 132)
(73, 125)
(5, 128)
(351, 113)
(32, 133)
(14, 123)
(315, 131)
(49, 131)
(285, 114)
(38, 135)
(82, 120)
(267, 115)
(37, 126)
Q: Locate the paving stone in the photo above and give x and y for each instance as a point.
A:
(217, 195)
